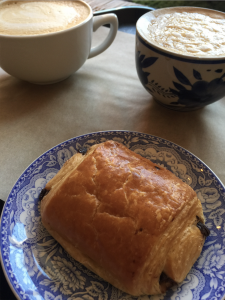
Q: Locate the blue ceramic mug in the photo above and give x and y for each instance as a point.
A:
(178, 81)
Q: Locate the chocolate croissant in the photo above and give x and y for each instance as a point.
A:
(130, 221)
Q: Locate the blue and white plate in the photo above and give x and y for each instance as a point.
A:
(38, 268)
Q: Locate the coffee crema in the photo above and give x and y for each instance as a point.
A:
(40, 17)
(189, 33)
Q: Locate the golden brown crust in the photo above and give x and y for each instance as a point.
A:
(122, 216)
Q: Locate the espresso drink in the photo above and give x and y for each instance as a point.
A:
(189, 32)
(40, 17)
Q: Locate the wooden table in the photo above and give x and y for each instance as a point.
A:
(108, 4)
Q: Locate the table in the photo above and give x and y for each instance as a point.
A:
(105, 94)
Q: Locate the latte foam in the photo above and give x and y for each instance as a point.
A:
(189, 33)
(40, 17)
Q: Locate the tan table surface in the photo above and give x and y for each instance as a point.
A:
(105, 94)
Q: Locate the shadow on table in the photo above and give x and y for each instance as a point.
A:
(183, 128)
(78, 110)
(19, 98)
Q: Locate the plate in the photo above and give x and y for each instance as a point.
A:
(38, 268)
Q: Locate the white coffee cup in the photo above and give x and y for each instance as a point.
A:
(52, 57)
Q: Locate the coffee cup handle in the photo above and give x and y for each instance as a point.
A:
(103, 20)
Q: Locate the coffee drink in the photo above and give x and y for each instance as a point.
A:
(189, 32)
(24, 18)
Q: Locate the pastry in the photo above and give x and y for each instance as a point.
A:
(130, 221)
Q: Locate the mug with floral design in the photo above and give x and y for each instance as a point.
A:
(180, 79)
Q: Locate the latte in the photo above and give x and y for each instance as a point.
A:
(189, 32)
(40, 17)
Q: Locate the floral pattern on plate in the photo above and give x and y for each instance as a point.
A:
(38, 268)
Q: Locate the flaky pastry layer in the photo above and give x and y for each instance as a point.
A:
(127, 219)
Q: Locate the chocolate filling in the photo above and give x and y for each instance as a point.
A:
(166, 282)
(43, 193)
(82, 150)
(157, 168)
(201, 226)
(204, 230)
